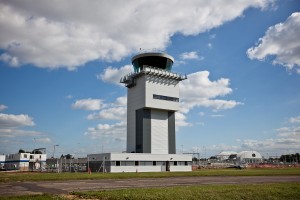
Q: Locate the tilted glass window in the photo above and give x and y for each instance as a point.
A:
(166, 98)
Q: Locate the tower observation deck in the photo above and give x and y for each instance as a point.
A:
(158, 60)
(152, 100)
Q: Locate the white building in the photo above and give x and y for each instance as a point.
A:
(139, 162)
(249, 157)
(2, 161)
(25, 161)
(152, 100)
(224, 155)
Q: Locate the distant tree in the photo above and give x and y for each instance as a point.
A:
(21, 151)
(195, 159)
(289, 158)
(69, 156)
(36, 152)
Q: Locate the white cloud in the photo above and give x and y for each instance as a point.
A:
(109, 133)
(181, 120)
(12, 61)
(113, 75)
(282, 42)
(121, 101)
(217, 115)
(72, 34)
(115, 131)
(13, 132)
(13, 121)
(69, 97)
(212, 36)
(88, 104)
(193, 55)
(113, 113)
(295, 119)
(198, 90)
(43, 140)
(287, 138)
(2, 107)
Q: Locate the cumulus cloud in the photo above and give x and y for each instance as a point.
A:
(13, 121)
(2, 107)
(121, 101)
(115, 131)
(295, 119)
(282, 42)
(199, 90)
(114, 113)
(113, 75)
(193, 55)
(110, 132)
(43, 140)
(13, 132)
(181, 120)
(88, 104)
(72, 34)
(286, 138)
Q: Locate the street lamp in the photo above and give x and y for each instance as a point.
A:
(56, 145)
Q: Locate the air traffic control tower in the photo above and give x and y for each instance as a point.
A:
(152, 100)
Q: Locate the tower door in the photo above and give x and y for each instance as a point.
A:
(168, 166)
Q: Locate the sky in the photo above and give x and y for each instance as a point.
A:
(61, 62)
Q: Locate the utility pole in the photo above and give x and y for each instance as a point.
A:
(56, 145)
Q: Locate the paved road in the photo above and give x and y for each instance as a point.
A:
(64, 187)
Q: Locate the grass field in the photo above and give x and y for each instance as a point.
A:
(265, 191)
(35, 176)
(287, 191)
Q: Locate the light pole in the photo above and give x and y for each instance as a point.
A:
(56, 145)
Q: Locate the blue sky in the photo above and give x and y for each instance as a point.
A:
(61, 62)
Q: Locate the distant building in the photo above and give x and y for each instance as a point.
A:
(226, 155)
(248, 157)
(139, 162)
(2, 162)
(25, 161)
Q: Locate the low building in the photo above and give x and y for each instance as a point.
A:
(225, 155)
(2, 162)
(249, 157)
(66, 165)
(139, 162)
(25, 161)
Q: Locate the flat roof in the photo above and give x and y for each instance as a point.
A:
(153, 54)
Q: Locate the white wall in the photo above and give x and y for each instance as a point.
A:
(135, 100)
(159, 132)
(161, 86)
(159, 158)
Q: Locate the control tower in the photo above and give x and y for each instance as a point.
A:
(152, 100)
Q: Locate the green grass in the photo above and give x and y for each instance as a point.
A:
(253, 192)
(287, 191)
(34, 176)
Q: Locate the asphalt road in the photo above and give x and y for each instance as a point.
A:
(64, 187)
